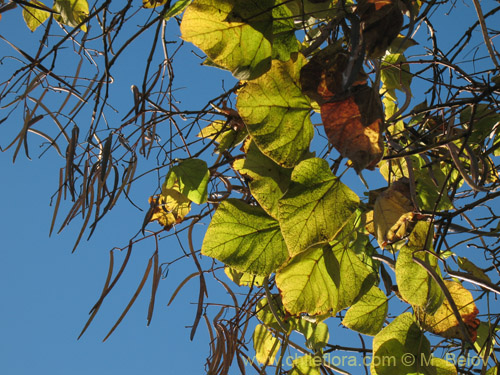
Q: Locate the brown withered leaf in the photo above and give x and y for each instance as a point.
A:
(354, 126)
(170, 208)
(321, 79)
(381, 22)
(444, 322)
(392, 213)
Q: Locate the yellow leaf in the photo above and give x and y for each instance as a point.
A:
(444, 321)
(170, 207)
(392, 213)
(153, 3)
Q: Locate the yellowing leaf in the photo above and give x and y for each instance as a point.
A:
(276, 112)
(34, 17)
(306, 365)
(235, 34)
(72, 12)
(170, 208)
(474, 270)
(224, 134)
(177, 8)
(265, 345)
(408, 349)
(392, 213)
(444, 322)
(191, 176)
(243, 278)
(153, 3)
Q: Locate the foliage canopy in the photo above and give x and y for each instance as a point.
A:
(325, 91)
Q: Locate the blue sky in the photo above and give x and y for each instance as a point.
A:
(47, 291)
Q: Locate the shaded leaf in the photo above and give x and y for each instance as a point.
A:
(34, 17)
(284, 40)
(191, 176)
(245, 238)
(265, 345)
(225, 135)
(316, 334)
(354, 127)
(268, 180)
(444, 322)
(277, 113)
(265, 314)
(235, 34)
(153, 3)
(176, 9)
(394, 74)
(316, 207)
(72, 12)
(367, 316)
(474, 270)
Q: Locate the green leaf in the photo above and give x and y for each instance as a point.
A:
(265, 314)
(309, 282)
(224, 135)
(394, 74)
(277, 113)
(235, 34)
(268, 180)
(483, 124)
(367, 316)
(415, 285)
(401, 348)
(474, 270)
(316, 334)
(265, 345)
(485, 339)
(357, 277)
(153, 3)
(72, 12)
(245, 238)
(316, 207)
(176, 9)
(284, 40)
(192, 176)
(243, 278)
(306, 364)
(34, 17)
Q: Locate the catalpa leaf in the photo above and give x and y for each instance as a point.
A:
(235, 34)
(408, 350)
(72, 12)
(34, 17)
(268, 181)
(367, 316)
(284, 40)
(309, 282)
(276, 112)
(306, 364)
(266, 315)
(316, 334)
(444, 322)
(223, 134)
(315, 207)
(170, 207)
(266, 346)
(176, 9)
(245, 238)
(415, 284)
(243, 278)
(191, 175)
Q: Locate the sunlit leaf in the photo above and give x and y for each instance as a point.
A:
(485, 339)
(243, 278)
(245, 238)
(268, 181)
(235, 34)
(225, 135)
(367, 316)
(308, 283)
(316, 206)
(265, 313)
(170, 207)
(316, 334)
(191, 176)
(401, 348)
(306, 365)
(277, 113)
(72, 12)
(153, 3)
(394, 74)
(284, 41)
(34, 17)
(392, 213)
(265, 345)
(444, 322)
(474, 270)
(415, 285)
